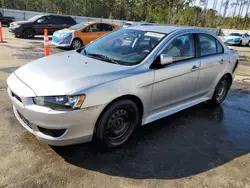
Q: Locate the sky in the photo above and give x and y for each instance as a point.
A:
(230, 8)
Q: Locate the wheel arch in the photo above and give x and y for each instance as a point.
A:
(131, 97)
(230, 77)
(78, 39)
(28, 27)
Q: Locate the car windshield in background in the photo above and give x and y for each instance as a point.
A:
(236, 34)
(34, 18)
(124, 46)
(78, 26)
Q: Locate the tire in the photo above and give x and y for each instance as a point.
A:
(76, 44)
(220, 92)
(17, 36)
(28, 33)
(117, 123)
(248, 44)
(240, 43)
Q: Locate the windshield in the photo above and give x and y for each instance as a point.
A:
(35, 18)
(78, 26)
(128, 24)
(236, 34)
(124, 46)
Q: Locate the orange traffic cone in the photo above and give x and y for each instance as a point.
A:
(46, 43)
(1, 33)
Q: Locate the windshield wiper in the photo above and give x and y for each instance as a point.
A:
(103, 57)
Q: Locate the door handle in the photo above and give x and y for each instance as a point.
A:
(194, 68)
(221, 61)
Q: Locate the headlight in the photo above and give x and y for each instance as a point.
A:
(60, 102)
(16, 26)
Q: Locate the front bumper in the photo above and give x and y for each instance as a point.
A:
(16, 31)
(62, 41)
(61, 44)
(79, 124)
(232, 42)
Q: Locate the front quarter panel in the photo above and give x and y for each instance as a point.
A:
(138, 83)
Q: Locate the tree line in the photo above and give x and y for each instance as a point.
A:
(177, 12)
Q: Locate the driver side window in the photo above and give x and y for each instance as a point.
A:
(181, 48)
(93, 28)
(43, 20)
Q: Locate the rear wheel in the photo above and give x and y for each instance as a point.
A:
(248, 44)
(117, 123)
(221, 91)
(76, 44)
(28, 33)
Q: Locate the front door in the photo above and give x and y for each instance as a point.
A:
(245, 39)
(40, 25)
(176, 82)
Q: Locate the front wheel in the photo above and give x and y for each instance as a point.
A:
(76, 44)
(221, 91)
(28, 33)
(117, 123)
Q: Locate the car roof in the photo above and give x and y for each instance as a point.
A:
(63, 16)
(98, 23)
(168, 28)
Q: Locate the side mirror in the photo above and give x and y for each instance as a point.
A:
(164, 59)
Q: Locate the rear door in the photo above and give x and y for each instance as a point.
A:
(91, 33)
(106, 28)
(213, 63)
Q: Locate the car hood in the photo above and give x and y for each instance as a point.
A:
(66, 72)
(66, 30)
(21, 22)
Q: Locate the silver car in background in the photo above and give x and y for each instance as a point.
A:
(130, 77)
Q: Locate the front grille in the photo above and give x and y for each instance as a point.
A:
(15, 96)
(24, 119)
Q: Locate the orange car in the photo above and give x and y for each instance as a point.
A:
(81, 34)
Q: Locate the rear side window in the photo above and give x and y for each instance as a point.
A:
(106, 27)
(207, 44)
(70, 20)
(219, 47)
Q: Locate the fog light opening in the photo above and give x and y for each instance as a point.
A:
(52, 132)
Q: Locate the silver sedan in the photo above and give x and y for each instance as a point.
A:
(127, 78)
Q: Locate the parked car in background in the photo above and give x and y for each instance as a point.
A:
(6, 20)
(37, 24)
(129, 24)
(237, 39)
(106, 90)
(81, 34)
